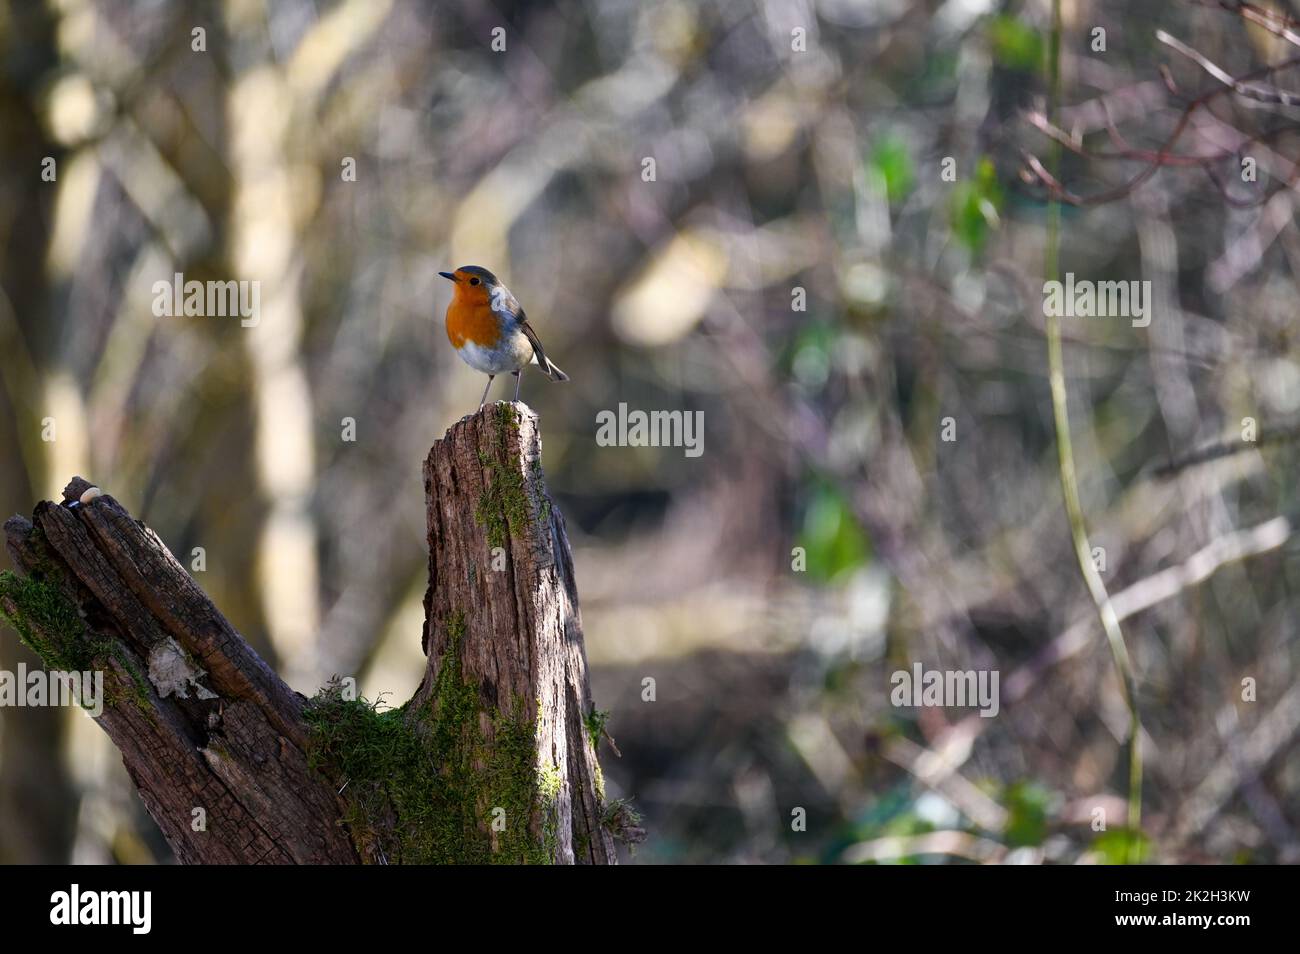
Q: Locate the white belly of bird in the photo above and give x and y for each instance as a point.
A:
(516, 353)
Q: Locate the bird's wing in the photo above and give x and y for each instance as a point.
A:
(531, 335)
(507, 305)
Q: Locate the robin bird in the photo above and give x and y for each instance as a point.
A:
(489, 330)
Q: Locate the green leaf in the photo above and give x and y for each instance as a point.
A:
(976, 205)
(891, 161)
(831, 537)
(1016, 45)
(1028, 805)
(1120, 846)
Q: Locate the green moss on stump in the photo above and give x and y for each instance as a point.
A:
(49, 624)
(596, 720)
(504, 508)
(422, 788)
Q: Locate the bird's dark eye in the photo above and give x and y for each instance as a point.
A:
(473, 281)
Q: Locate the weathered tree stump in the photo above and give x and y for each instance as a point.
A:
(492, 760)
(502, 594)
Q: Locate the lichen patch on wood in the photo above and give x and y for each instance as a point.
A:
(172, 672)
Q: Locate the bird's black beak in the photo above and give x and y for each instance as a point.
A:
(448, 275)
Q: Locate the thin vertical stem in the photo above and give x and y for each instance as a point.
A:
(1065, 464)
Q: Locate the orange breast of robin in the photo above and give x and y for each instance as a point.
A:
(474, 322)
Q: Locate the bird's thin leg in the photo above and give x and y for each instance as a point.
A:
(518, 378)
(483, 399)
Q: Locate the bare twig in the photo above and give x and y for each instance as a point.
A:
(1263, 94)
(1243, 85)
(1224, 449)
(935, 771)
(1279, 24)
